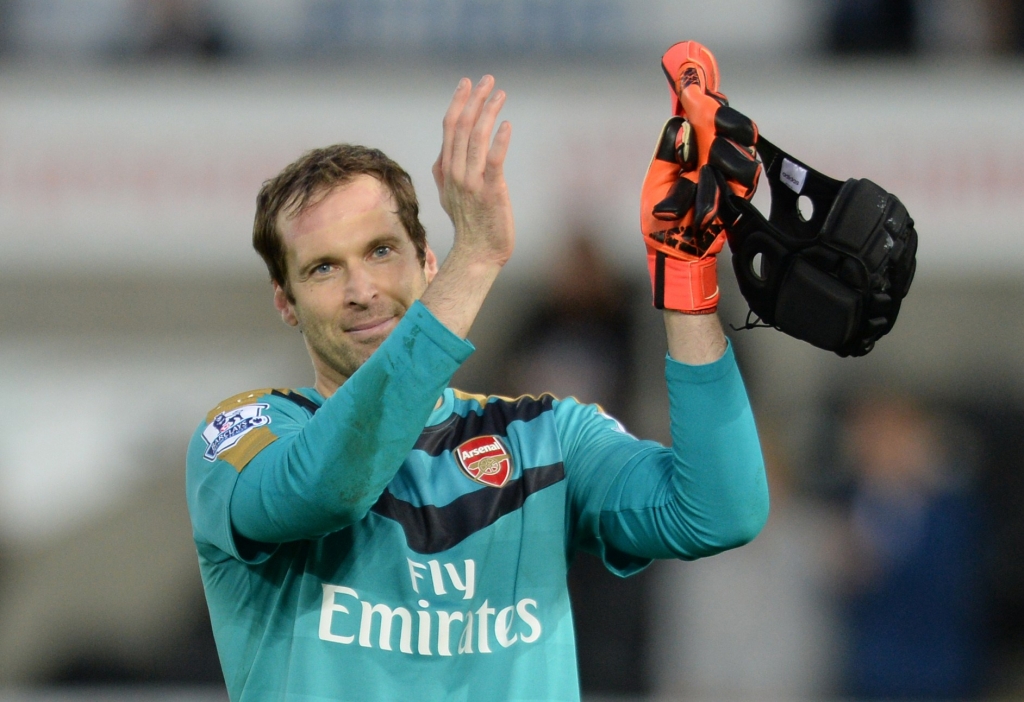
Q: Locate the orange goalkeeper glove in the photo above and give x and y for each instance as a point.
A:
(706, 147)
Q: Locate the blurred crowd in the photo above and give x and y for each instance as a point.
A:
(218, 29)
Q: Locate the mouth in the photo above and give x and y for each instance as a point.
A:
(371, 328)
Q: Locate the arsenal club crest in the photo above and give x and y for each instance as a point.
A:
(485, 460)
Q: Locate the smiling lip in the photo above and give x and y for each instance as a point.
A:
(374, 326)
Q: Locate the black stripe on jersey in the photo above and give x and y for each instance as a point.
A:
(301, 400)
(432, 529)
(494, 419)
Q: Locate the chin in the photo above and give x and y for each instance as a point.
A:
(361, 355)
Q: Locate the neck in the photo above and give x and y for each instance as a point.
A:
(325, 387)
(326, 379)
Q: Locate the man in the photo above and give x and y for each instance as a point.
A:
(380, 536)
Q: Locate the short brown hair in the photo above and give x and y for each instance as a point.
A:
(309, 179)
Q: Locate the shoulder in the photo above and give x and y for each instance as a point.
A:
(272, 399)
(573, 417)
(244, 424)
(524, 407)
(568, 415)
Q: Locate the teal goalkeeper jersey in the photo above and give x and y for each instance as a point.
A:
(385, 544)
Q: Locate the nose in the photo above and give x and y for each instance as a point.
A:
(360, 287)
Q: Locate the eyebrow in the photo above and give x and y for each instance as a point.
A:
(392, 240)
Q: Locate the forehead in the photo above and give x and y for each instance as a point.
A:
(362, 201)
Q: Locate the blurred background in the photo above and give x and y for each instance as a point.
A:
(134, 135)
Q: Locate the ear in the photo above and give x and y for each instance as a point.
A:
(429, 264)
(285, 306)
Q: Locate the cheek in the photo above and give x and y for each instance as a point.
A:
(319, 306)
(408, 286)
(402, 286)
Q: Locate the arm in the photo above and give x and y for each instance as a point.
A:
(328, 475)
(694, 339)
(324, 475)
(633, 500)
(636, 500)
(469, 173)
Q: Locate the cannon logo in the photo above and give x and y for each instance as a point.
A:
(485, 460)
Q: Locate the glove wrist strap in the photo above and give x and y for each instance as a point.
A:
(688, 286)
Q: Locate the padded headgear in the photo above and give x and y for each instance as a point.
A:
(835, 279)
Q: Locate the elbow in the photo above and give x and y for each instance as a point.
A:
(324, 510)
(352, 505)
(344, 513)
(350, 514)
(746, 523)
(749, 509)
(731, 529)
(745, 528)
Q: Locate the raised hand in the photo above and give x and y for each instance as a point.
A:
(469, 173)
(703, 150)
(725, 139)
(470, 178)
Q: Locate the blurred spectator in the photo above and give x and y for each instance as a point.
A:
(578, 342)
(872, 26)
(955, 27)
(996, 423)
(935, 26)
(758, 622)
(1007, 21)
(179, 28)
(6, 7)
(912, 606)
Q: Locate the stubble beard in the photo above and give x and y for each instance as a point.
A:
(343, 356)
(344, 359)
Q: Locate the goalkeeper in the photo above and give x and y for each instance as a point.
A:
(381, 536)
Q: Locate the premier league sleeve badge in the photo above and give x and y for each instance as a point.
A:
(228, 427)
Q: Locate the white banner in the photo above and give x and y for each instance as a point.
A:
(160, 169)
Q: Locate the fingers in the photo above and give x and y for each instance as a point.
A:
(686, 147)
(480, 138)
(694, 56)
(733, 125)
(666, 148)
(705, 206)
(467, 152)
(734, 162)
(455, 108)
(678, 202)
(438, 174)
(465, 126)
(495, 166)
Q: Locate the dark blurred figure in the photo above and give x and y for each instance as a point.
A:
(188, 659)
(180, 29)
(6, 15)
(912, 607)
(873, 26)
(1007, 22)
(578, 342)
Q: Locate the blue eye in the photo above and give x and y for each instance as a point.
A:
(322, 269)
(381, 251)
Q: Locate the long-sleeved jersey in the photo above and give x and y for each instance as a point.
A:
(404, 540)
